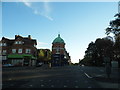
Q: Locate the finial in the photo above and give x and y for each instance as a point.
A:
(58, 35)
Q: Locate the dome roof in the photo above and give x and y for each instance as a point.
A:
(58, 39)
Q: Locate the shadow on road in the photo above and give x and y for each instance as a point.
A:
(108, 80)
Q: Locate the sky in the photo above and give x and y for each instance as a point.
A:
(78, 23)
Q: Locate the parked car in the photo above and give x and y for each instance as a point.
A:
(8, 65)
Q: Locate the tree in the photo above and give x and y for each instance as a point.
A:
(96, 51)
(114, 26)
(104, 46)
(115, 29)
(44, 55)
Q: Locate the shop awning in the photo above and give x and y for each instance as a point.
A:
(21, 56)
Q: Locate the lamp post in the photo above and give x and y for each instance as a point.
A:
(107, 66)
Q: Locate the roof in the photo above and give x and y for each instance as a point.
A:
(26, 40)
(58, 39)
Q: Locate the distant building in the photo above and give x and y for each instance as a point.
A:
(20, 51)
(60, 57)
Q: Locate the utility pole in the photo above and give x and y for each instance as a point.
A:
(118, 7)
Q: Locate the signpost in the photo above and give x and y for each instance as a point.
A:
(118, 7)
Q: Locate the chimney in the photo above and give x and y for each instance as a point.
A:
(16, 36)
(29, 36)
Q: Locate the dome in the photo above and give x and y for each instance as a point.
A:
(58, 39)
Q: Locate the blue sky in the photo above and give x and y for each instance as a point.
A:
(78, 23)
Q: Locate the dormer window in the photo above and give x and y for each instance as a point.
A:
(34, 45)
(18, 42)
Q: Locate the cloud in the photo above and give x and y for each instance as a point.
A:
(42, 45)
(45, 10)
(27, 3)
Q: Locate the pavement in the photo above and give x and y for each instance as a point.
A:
(100, 76)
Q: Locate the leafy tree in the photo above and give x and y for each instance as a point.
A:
(104, 46)
(115, 29)
(114, 26)
(96, 51)
(44, 55)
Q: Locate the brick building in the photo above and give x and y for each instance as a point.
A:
(20, 51)
(60, 57)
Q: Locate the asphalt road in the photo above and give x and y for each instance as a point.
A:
(56, 77)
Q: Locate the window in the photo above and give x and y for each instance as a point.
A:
(0, 51)
(4, 51)
(34, 45)
(0, 44)
(57, 51)
(28, 50)
(3, 44)
(4, 58)
(18, 42)
(13, 50)
(19, 50)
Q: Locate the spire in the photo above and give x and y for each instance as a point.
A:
(58, 35)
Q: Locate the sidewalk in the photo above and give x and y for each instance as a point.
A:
(112, 82)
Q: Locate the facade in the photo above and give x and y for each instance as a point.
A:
(20, 51)
(60, 57)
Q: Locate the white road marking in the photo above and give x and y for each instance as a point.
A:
(76, 87)
(31, 85)
(99, 75)
(89, 87)
(76, 81)
(87, 75)
(42, 85)
(65, 86)
(52, 85)
(49, 80)
(9, 79)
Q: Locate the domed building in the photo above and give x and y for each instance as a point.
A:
(60, 57)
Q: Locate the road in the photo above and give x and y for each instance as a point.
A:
(56, 77)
